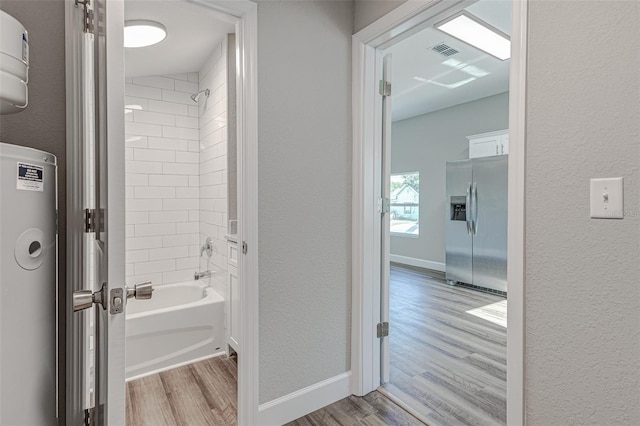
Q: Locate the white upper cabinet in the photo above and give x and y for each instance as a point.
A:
(489, 144)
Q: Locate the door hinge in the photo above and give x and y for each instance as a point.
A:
(384, 205)
(89, 220)
(382, 329)
(89, 416)
(244, 248)
(385, 88)
(88, 20)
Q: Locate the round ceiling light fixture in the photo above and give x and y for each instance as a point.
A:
(142, 33)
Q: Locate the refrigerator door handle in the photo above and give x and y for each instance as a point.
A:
(474, 204)
(468, 209)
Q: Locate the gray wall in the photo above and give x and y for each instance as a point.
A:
(304, 82)
(368, 11)
(424, 144)
(583, 280)
(42, 125)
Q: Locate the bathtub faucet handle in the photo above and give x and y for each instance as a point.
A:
(207, 247)
(143, 290)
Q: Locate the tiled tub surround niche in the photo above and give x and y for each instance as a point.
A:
(213, 164)
(162, 178)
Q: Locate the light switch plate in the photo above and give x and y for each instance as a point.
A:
(607, 198)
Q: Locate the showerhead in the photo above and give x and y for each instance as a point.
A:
(196, 96)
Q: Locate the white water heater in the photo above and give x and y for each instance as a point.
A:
(14, 65)
(28, 286)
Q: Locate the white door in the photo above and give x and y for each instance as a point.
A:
(385, 250)
(96, 340)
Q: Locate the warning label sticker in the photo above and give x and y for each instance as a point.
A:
(30, 177)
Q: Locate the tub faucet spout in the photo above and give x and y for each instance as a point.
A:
(203, 274)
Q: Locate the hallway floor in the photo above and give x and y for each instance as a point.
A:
(448, 350)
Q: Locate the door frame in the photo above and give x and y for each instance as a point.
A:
(407, 19)
(243, 14)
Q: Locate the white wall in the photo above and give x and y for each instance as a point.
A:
(583, 278)
(213, 165)
(424, 144)
(368, 11)
(162, 179)
(304, 83)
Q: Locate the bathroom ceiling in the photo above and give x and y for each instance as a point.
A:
(424, 80)
(193, 31)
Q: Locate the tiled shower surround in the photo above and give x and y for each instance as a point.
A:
(175, 174)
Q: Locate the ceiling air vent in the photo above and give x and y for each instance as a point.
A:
(444, 49)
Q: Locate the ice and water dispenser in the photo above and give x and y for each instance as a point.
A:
(458, 208)
(28, 254)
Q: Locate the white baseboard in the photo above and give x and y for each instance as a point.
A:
(304, 401)
(420, 263)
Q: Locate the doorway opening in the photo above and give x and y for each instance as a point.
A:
(431, 330)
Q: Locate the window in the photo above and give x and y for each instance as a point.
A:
(405, 204)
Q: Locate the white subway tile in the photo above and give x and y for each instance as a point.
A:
(133, 141)
(169, 107)
(193, 77)
(168, 253)
(168, 216)
(194, 146)
(142, 91)
(208, 154)
(208, 230)
(129, 231)
(188, 262)
(150, 230)
(147, 117)
(183, 76)
(142, 129)
(178, 276)
(212, 218)
(187, 228)
(128, 153)
(133, 256)
(142, 154)
(129, 269)
(135, 179)
(128, 192)
(187, 192)
(178, 97)
(141, 167)
(194, 216)
(133, 218)
(156, 279)
(179, 133)
(207, 167)
(193, 111)
(194, 180)
(214, 178)
(139, 243)
(180, 204)
(179, 240)
(128, 115)
(187, 157)
(169, 144)
(155, 192)
(189, 122)
(168, 180)
(194, 250)
(179, 169)
(128, 80)
(206, 204)
(135, 103)
(186, 86)
(154, 81)
(155, 266)
(143, 205)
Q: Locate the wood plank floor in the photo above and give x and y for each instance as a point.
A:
(447, 349)
(204, 393)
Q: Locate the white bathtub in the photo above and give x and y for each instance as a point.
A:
(182, 323)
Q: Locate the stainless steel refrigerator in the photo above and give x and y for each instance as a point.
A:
(476, 222)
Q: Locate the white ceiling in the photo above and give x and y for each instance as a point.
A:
(192, 33)
(424, 81)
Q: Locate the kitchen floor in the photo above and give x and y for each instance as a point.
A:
(447, 349)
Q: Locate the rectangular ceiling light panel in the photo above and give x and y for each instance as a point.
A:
(478, 34)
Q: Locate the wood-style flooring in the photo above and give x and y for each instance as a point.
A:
(204, 393)
(447, 350)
